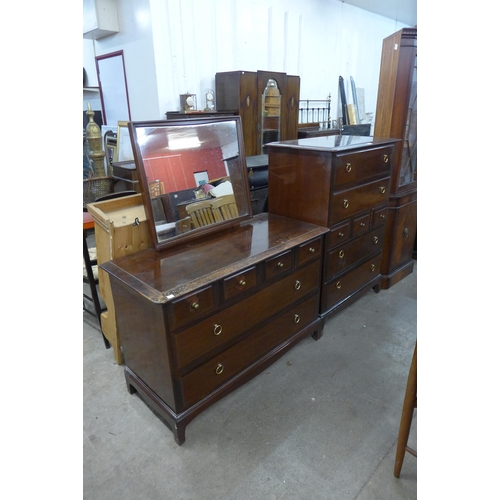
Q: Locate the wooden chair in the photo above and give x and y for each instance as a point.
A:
(409, 405)
(200, 213)
(156, 188)
(224, 208)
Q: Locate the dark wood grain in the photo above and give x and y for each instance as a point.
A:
(165, 275)
(341, 182)
(397, 71)
(203, 318)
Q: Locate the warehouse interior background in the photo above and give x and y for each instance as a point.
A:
(457, 310)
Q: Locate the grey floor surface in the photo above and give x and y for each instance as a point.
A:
(320, 423)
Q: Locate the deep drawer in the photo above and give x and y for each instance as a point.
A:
(347, 203)
(345, 256)
(202, 381)
(233, 321)
(361, 166)
(344, 286)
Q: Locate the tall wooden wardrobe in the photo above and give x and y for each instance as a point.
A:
(396, 117)
(267, 102)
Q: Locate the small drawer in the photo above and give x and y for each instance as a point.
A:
(338, 234)
(361, 166)
(240, 283)
(192, 307)
(309, 250)
(361, 224)
(278, 265)
(379, 216)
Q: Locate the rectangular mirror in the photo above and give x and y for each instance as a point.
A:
(192, 175)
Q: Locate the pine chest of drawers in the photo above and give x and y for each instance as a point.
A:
(200, 319)
(342, 183)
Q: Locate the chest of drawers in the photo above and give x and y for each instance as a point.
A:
(200, 319)
(342, 183)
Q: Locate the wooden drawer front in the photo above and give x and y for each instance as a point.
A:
(233, 321)
(345, 204)
(338, 234)
(342, 287)
(309, 250)
(192, 307)
(379, 216)
(361, 224)
(358, 167)
(240, 283)
(345, 256)
(202, 381)
(279, 265)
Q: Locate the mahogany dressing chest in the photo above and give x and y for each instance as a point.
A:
(342, 183)
(222, 294)
(198, 320)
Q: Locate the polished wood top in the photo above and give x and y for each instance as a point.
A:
(332, 143)
(163, 276)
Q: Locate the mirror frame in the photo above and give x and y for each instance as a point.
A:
(144, 186)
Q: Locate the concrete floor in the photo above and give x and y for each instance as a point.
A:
(321, 423)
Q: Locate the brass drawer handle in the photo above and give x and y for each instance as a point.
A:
(280, 264)
(298, 284)
(296, 318)
(375, 239)
(195, 305)
(362, 224)
(312, 250)
(338, 285)
(386, 158)
(382, 216)
(405, 232)
(382, 189)
(346, 203)
(341, 235)
(242, 283)
(217, 329)
(219, 369)
(372, 267)
(341, 254)
(348, 167)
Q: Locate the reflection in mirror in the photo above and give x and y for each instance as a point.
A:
(271, 112)
(123, 147)
(192, 175)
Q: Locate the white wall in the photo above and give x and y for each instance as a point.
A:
(176, 46)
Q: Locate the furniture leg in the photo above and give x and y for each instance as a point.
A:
(409, 405)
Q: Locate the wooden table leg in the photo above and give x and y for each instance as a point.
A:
(409, 405)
